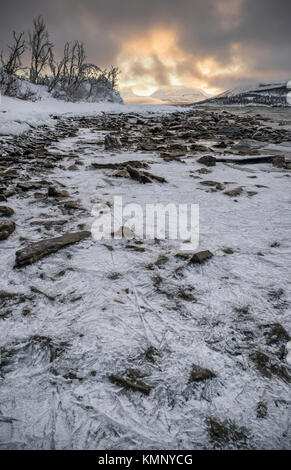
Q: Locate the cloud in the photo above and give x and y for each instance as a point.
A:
(212, 43)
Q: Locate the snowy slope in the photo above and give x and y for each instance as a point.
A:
(266, 93)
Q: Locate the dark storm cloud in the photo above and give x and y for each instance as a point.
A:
(206, 28)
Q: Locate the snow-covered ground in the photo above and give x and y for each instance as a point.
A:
(107, 303)
(18, 116)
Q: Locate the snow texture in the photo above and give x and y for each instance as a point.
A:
(102, 311)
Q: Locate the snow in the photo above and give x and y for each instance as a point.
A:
(18, 116)
(257, 94)
(255, 87)
(108, 330)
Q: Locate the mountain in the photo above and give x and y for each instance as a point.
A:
(178, 95)
(266, 93)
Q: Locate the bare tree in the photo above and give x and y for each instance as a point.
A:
(41, 47)
(112, 76)
(70, 74)
(59, 70)
(13, 63)
(72, 78)
(77, 63)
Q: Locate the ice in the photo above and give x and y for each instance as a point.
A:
(107, 312)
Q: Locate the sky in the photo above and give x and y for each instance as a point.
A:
(213, 45)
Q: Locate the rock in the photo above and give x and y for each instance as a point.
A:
(139, 249)
(28, 186)
(177, 146)
(162, 260)
(156, 129)
(48, 224)
(112, 143)
(151, 353)
(262, 410)
(144, 176)
(234, 192)
(6, 228)
(73, 205)
(138, 175)
(148, 146)
(213, 184)
(122, 174)
(246, 145)
(183, 255)
(226, 432)
(198, 374)
(207, 160)
(220, 145)
(185, 293)
(228, 251)
(135, 386)
(36, 251)
(6, 211)
(204, 171)
(230, 131)
(275, 334)
(53, 192)
(160, 179)
(120, 166)
(35, 290)
(199, 148)
(279, 161)
(4, 296)
(269, 365)
(247, 160)
(172, 156)
(201, 257)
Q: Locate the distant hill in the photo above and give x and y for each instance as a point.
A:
(266, 93)
(179, 95)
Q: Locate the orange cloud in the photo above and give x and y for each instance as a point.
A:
(157, 59)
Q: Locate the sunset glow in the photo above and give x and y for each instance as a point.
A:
(156, 59)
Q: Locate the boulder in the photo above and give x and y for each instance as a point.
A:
(35, 251)
(6, 211)
(53, 192)
(201, 257)
(6, 228)
(234, 192)
(207, 160)
(198, 374)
